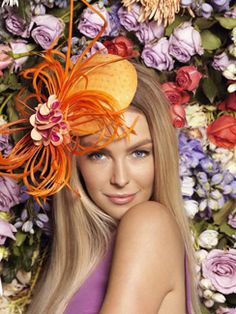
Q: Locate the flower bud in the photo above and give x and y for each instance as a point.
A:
(207, 294)
(209, 303)
(200, 256)
(218, 297)
(205, 284)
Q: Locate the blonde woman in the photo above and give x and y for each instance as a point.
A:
(122, 246)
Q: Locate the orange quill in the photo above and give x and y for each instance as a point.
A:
(72, 100)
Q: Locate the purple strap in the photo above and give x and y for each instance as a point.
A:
(187, 286)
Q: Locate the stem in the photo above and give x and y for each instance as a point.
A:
(5, 102)
(77, 6)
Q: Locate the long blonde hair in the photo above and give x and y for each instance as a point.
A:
(81, 231)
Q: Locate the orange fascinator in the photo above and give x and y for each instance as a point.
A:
(71, 100)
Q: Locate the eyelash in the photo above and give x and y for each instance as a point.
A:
(95, 155)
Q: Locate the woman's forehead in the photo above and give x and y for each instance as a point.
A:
(141, 129)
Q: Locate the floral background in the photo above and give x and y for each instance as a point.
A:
(195, 59)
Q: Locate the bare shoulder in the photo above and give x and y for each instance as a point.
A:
(151, 221)
(147, 262)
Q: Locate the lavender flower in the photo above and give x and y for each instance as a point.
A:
(221, 5)
(9, 193)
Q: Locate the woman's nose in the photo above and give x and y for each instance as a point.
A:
(119, 176)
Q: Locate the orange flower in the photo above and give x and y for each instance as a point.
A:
(222, 132)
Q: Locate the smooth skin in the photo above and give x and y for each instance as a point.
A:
(147, 274)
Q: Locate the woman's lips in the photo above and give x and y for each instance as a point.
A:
(121, 199)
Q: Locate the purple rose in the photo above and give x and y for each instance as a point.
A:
(148, 31)
(129, 19)
(9, 193)
(220, 267)
(220, 62)
(232, 219)
(114, 20)
(157, 56)
(47, 31)
(226, 310)
(16, 25)
(6, 231)
(185, 42)
(91, 23)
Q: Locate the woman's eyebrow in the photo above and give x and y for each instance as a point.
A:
(135, 145)
(140, 143)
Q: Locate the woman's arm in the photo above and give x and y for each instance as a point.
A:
(148, 260)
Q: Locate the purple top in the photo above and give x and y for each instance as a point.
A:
(89, 298)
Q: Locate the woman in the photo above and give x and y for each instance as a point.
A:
(147, 228)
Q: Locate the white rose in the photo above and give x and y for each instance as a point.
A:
(208, 239)
(230, 72)
(191, 208)
(195, 116)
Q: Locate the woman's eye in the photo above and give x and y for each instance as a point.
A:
(96, 156)
(140, 153)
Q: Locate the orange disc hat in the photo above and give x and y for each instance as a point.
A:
(71, 100)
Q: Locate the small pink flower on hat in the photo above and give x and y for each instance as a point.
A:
(48, 123)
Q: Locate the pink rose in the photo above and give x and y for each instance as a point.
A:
(6, 231)
(148, 31)
(47, 31)
(91, 23)
(121, 46)
(220, 268)
(178, 116)
(188, 77)
(157, 56)
(185, 42)
(174, 94)
(5, 59)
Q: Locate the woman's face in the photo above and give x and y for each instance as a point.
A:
(120, 175)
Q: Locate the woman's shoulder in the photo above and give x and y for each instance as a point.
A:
(150, 219)
(148, 260)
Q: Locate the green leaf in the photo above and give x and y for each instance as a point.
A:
(210, 41)
(178, 20)
(225, 228)
(231, 298)
(221, 216)
(20, 238)
(226, 22)
(203, 23)
(209, 89)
